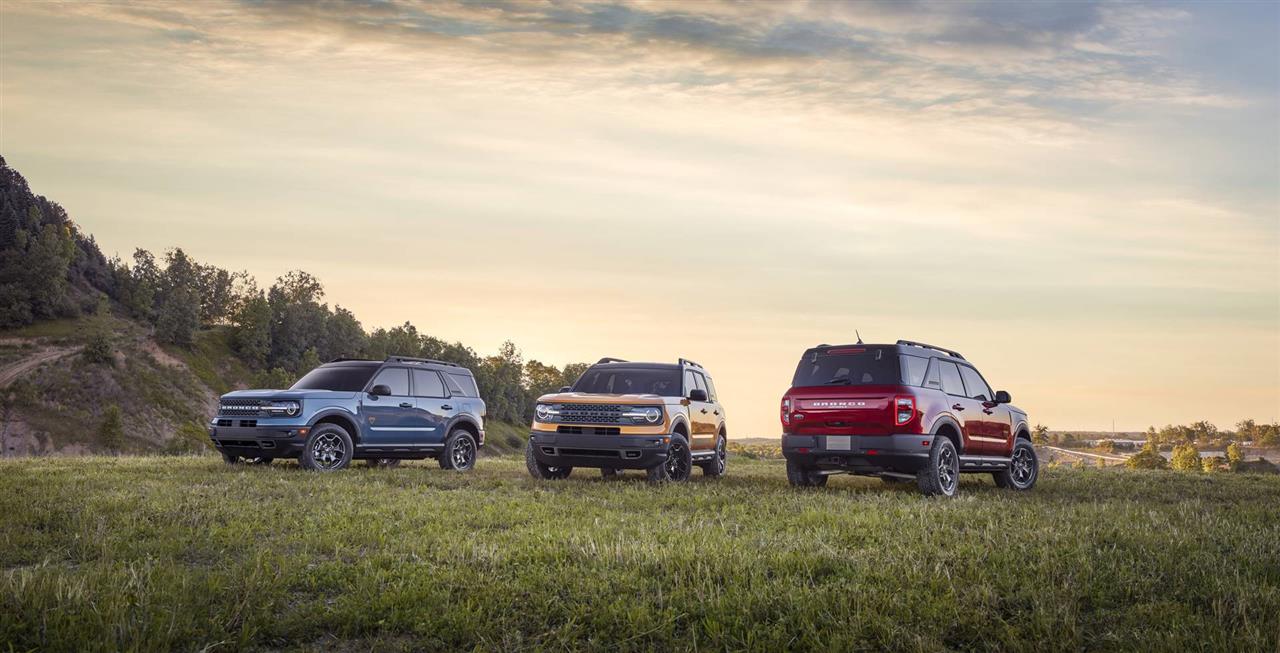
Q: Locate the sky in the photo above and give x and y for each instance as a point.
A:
(1084, 199)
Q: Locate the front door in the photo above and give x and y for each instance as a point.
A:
(433, 407)
(994, 418)
(390, 418)
(702, 414)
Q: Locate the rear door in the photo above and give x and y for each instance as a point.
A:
(703, 414)
(432, 407)
(994, 439)
(967, 411)
(391, 418)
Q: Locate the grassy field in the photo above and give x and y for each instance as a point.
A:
(186, 554)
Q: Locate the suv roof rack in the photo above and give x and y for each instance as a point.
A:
(606, 359)
(410, 359)
(344, 359)
(912, 343)
(685, 361)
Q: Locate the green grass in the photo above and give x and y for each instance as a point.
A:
(186, 554)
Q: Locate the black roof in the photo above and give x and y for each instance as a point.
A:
(637, 366)
(905, 346)
(404, 360)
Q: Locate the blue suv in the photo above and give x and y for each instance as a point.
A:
(379, 411)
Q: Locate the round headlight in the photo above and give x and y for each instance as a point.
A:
(543, 412)
(291, 408)
(653, 415)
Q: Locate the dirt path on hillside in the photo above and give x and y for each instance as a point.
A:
(11, 372)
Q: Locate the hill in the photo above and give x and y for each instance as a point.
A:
(186, 554)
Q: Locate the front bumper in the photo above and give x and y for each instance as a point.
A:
(614, 451)
(266, 440)
(859, 454)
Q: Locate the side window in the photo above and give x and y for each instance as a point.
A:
(689, 383)
(427, 383)
(951, 383)
(702, 383)
(913, 368)
(932, 379)
(396, 378)
(463, 384)
(973, 382)
(711, 389)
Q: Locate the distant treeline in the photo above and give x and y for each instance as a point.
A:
(1202, 434)
(50, 269)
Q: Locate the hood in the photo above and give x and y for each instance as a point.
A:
(284, 395)
(589, 398)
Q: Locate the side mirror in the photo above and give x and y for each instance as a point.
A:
(697, 394)
(565, 388)
(380, 390)
(1003, 397)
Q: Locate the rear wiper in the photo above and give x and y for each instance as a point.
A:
(843, 378)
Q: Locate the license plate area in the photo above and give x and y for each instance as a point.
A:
(838, 443)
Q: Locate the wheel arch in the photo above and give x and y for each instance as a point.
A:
(680, 425)
(467, 424)
(949, 428)
(339, 417)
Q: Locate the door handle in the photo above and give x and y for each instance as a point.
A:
(446, 407)
(957, 407)
(717, 412)
(988, 411)
(405, 404)
(704, 411)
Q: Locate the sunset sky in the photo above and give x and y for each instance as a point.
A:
(1084, 199)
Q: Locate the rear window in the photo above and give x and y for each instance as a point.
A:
(849, 366)
(341, 378)
(621, 381)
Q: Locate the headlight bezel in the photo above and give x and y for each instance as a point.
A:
(286, 407)
(546, 413)
(652, 415)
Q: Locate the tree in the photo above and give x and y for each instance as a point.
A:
(251, 333)
(1040, 434)
(1186, 458)
(1212, 463)
(111, 430)
(344, 337)
(1148, 458)
(1235, 455)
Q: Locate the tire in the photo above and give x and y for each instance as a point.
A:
(608, 473)
(1023, 470)
(941, 475)
(459, 453)
(679, 463)
(720, 463)
(328, 449)
(540, 471)
(383, 463)
(260, 460)
(801, 477)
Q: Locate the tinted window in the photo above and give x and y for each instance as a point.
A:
(342, 378)
(951, 383)
(427, 384)
(611, 380)
(913, 368)
(973, 382)
(689, 383)
(462, 385)
(711, 388)
(848, 366)
(396, 378)
(933, 380)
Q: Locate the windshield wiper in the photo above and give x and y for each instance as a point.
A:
(842, 379)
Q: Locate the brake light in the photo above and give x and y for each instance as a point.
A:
(847, 350)
(904, 408)
(786, 410)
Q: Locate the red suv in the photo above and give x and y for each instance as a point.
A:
(901, 412)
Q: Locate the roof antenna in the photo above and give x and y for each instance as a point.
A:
(855, 332)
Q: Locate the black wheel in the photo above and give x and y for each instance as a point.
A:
(803, 477)
(328, 448)
(1023, 470)
(716, 467)
(941, 475)
(679, 462)
(459, 452)
(609, 472)
(540, 471)
(231, 459)
(383, 463)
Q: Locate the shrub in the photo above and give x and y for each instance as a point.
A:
(99, 349)
(1186, 458)
(1148, 458)
(190, 438)
(1235, 455)
(111, 430)
(1213, 463)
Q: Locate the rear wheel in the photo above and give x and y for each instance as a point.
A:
(384, 463)
(540, 471)
(716, 467)
(679, 463)
(1023, 469)
(803, 477)
(459, 451)
(941, 475)
(328, 448)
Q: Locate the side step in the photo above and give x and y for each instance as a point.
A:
(704, 455)
(984, 463)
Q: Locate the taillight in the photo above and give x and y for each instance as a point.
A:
(904, 408)
(786, 410)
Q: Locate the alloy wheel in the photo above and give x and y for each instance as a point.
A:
(1023, 467)
(328, 451)
(948, 469)
(677, 461)
(463, 453)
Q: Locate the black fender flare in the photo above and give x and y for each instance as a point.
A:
(681, 419)
(1021, 427)
(462, 419)
(338, 412)
(953, 423)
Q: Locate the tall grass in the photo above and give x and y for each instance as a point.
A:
(186, 554)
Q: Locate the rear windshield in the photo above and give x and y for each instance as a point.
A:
(621, 381)
(341, 378)
(858, 366)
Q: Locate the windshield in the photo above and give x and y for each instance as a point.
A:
(342, 378)
(621, 381)
(848, 366)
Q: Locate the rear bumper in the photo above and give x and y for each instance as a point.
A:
(860, 454)
(277, 441)
(615, 451)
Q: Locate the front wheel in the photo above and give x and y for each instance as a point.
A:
(540, 471)
(941, 475)
(328, 448)
(715, 468)
(679, 462)
(459, 452)
(802, 477)
(1024, 468)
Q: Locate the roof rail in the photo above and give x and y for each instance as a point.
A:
(685, 361)
(954, 354)
(410, 359)
(606, 359)
(343, 359)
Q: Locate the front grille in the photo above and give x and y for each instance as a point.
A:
(591, 413)
(239, 407)
(587, 430)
